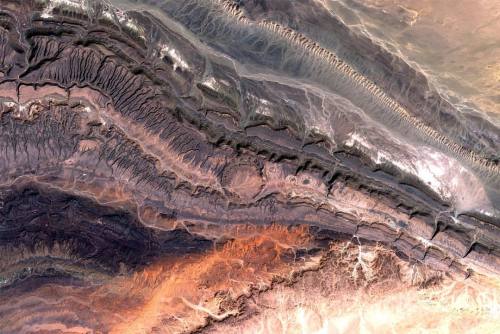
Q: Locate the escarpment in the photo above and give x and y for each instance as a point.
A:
(171, 171)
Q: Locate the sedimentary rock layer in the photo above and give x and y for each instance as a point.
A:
(169, 171)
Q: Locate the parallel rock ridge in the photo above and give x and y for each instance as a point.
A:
(173, 171)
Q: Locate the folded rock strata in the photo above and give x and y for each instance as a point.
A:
(163, 171)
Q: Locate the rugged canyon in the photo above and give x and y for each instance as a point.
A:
(257, 166)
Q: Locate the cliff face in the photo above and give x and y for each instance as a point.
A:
(191, 166)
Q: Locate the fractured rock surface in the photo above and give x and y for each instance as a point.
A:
(188, 166)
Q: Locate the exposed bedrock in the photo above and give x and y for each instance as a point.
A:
(132, 146)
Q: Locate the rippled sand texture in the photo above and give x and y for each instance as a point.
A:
(216, 166)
